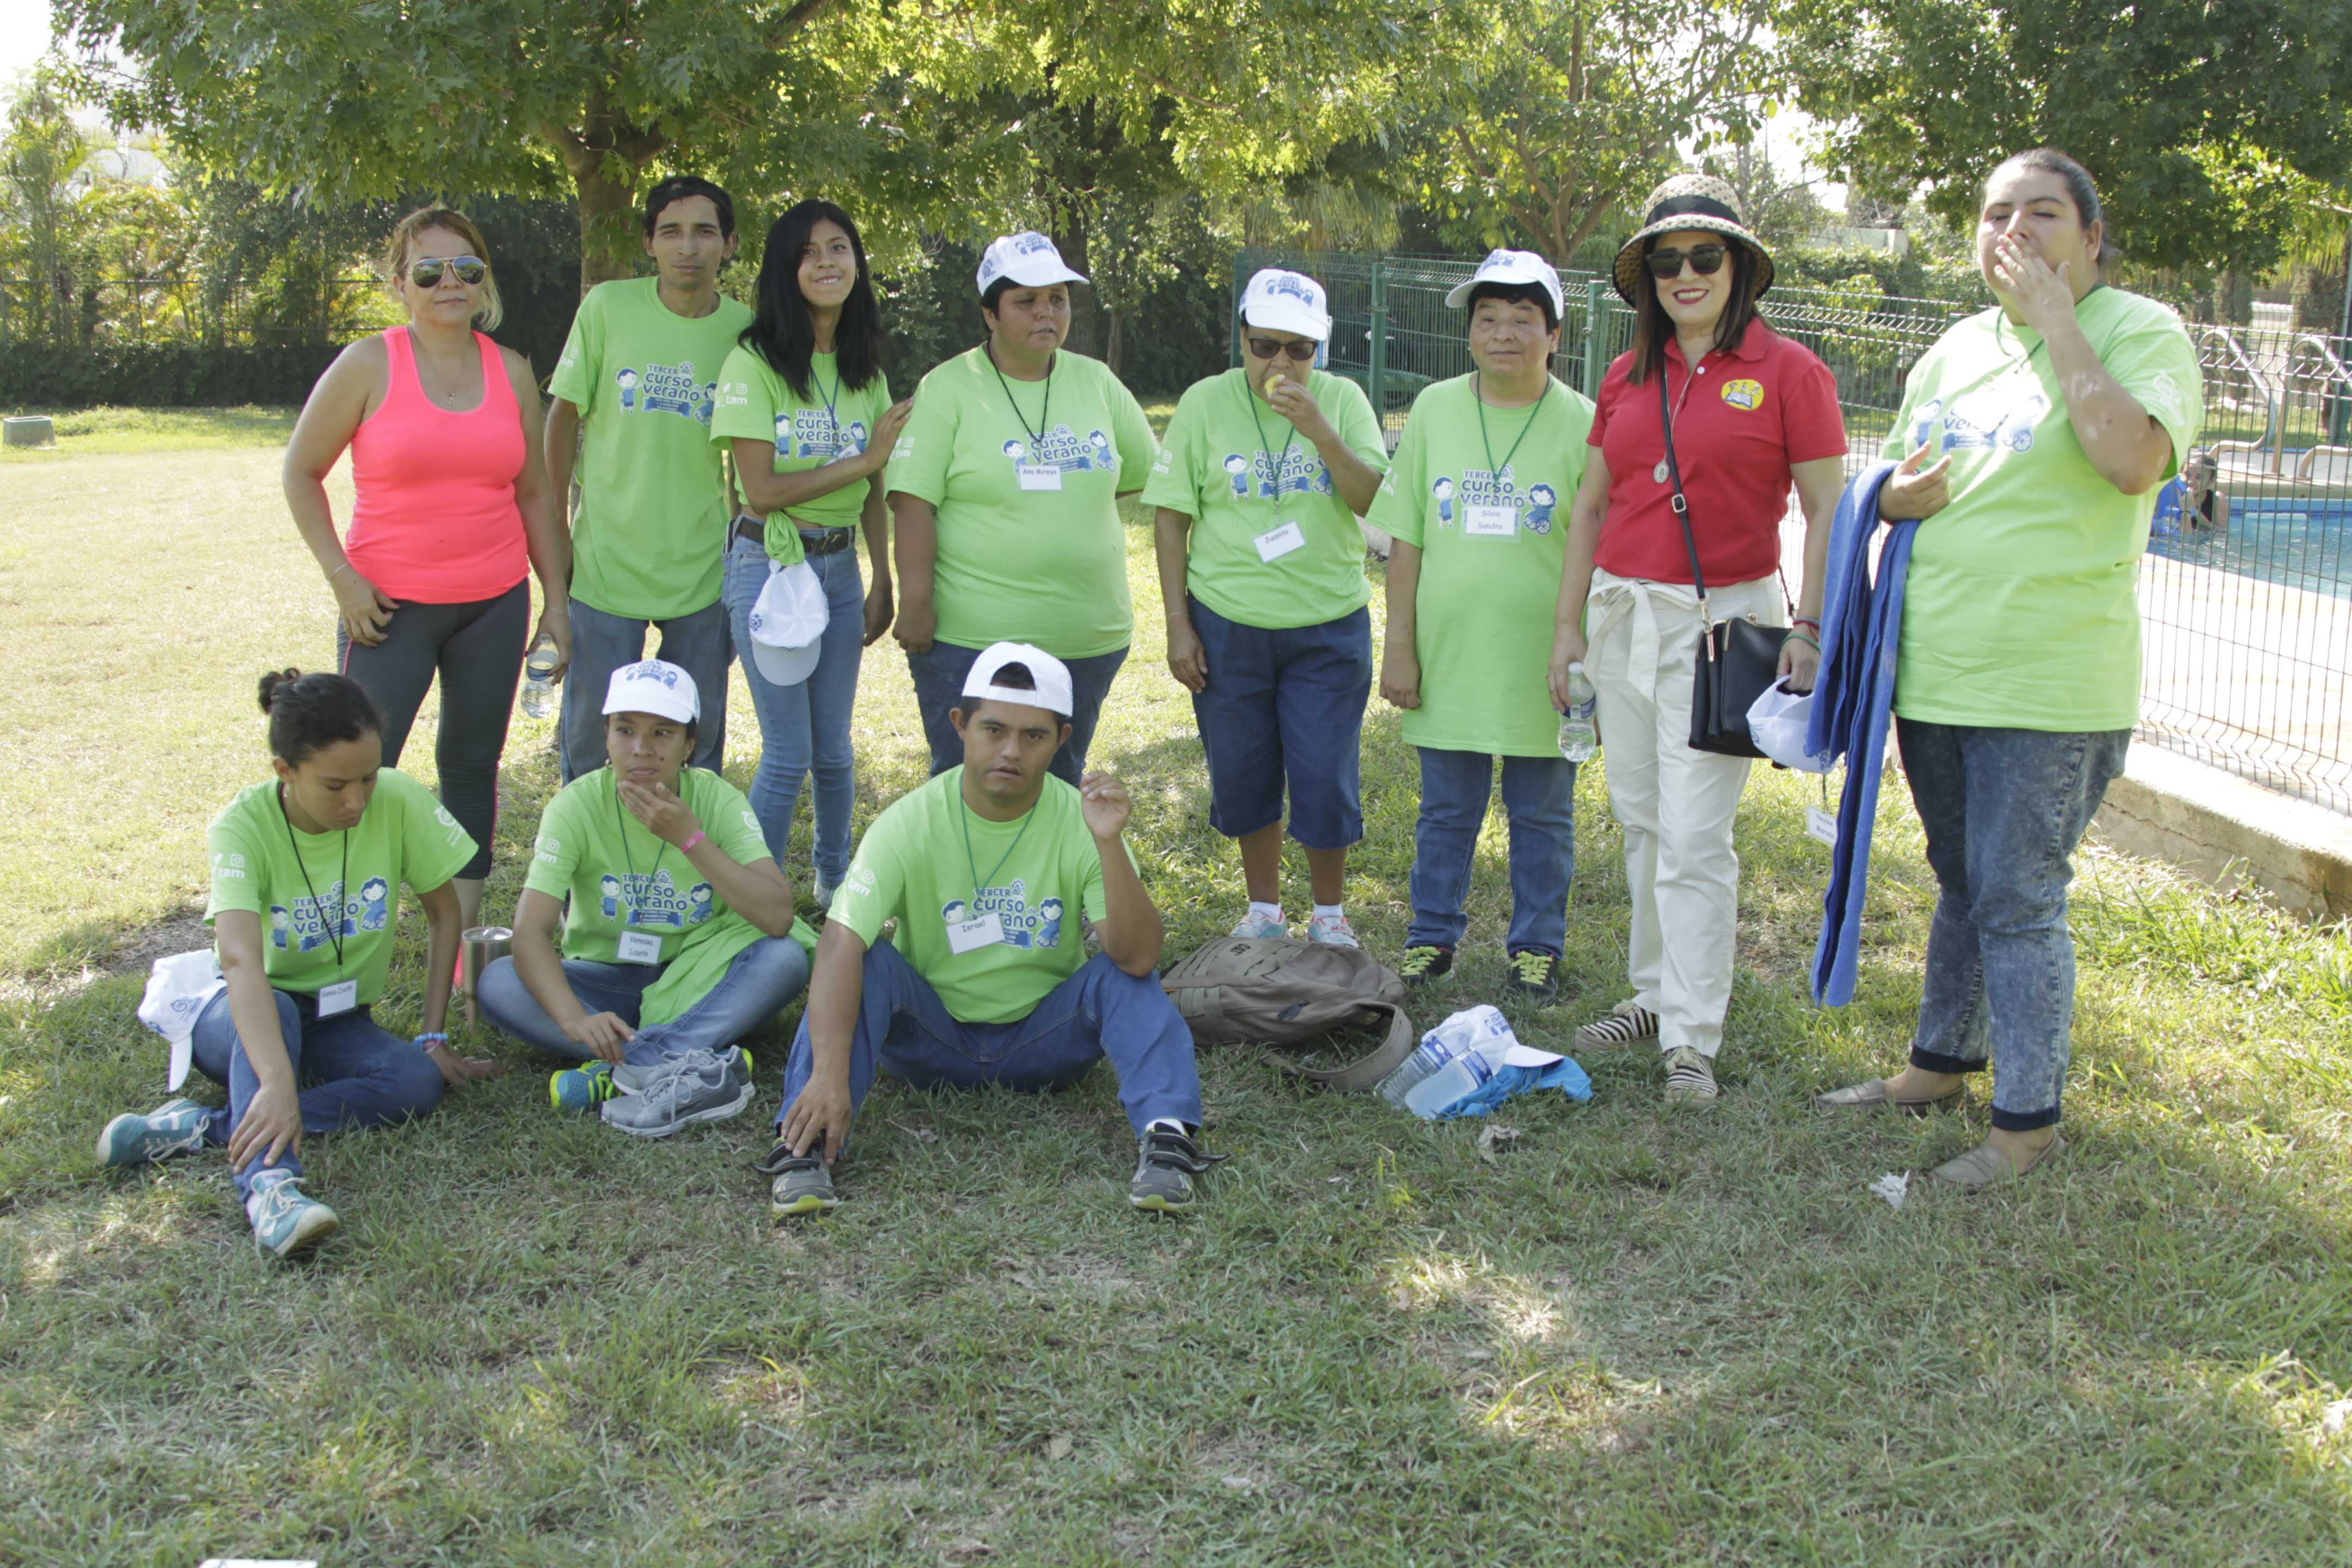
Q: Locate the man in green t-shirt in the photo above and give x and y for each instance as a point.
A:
(633, 395)
(994, 871)
(1262, 575)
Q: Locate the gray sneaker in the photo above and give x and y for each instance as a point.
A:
(803, 1183)
(631, 1078)
(1166, 1161)
(696, 1086)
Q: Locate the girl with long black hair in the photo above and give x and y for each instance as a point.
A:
(807, 414)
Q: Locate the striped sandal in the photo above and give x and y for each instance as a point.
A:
(1626, 1025)
(1690, 1077)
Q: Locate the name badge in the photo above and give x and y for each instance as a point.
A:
(640, 947)
(981, 931)
(340, 997)
(1491, 521)
(1038, 476)
(1822, 825)
(1276, 542)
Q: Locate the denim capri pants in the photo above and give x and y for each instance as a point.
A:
(1285, 706)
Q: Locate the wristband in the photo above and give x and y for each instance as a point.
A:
(1794, 635)
(1806, 621)
(687, 847)
(344, 567)
(431, 1038)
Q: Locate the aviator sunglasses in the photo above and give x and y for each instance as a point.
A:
(1705, 259)
(426, 274)
(1266, 348)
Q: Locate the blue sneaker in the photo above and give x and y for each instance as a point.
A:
(582, 1089)
(285, 1222)
(174, 1127)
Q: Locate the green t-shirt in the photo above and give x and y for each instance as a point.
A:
(1238, 469)
(297, 882)
(620, 876)
(834, 422)
(1040, 566)
(2021, 609)
(649, 537)
(1492, 554)
(914, 863)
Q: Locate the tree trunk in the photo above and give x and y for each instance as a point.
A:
(1085, 308)
(605, 207)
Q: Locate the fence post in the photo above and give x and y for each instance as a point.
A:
(1593, 362)
(1378, 361)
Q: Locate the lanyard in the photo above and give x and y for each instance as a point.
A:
(831, 400)
(628, 912)
(1477, 395)
(1289, 442)
(334, 926)
(966, 821)
(1043, 414)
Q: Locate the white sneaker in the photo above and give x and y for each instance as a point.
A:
(1253, 925)
(1332, 930)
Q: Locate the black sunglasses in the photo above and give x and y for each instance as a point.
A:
(426, 274)
(1266, 348)
(1705, 260)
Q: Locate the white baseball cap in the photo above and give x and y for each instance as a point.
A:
(1029, 258)
(1052, 676)
(788, 623)
(653, 685)
(1517, 266)
(1282, 301)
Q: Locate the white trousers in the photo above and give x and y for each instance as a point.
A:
(1676, 805)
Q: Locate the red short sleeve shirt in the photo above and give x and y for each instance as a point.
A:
(1738, 424)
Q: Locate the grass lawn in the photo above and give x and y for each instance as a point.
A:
(1629, 1337)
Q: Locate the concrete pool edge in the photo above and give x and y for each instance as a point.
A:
(2229, 832)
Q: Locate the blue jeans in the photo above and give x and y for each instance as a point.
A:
(1540, 799)
(350, 1073)
(1101, 1011)
(804, 728)
(2004, 810)
(762, 978)
(602, 643)
(938, 686)
(1284, 707)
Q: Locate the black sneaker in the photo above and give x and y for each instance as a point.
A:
(1420, 965)
(1535, 971)
(802, 1184)
(1166, 1161)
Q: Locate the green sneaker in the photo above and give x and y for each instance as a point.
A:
(1166, 1161)
(802, 1184)
(582, 1089)
(174, 1127)
(1420, 965)
(285, 1222)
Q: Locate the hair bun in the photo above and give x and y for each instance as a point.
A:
(272, 681)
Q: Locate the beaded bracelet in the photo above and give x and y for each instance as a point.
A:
(430, 1038)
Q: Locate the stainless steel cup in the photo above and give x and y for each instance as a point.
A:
(481, 944)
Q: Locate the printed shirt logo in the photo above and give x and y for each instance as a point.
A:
(667, 389)
(2001, 416)
(1302, 473)
(811, 433)
(1748, 395)
(1538, 504)
(303, 925)
(1024, 927)
(651, 898)
(1064, 448)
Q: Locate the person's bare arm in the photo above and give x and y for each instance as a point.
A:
(879, 605)
(1400, 657)
(561, 438)
(1587, 511)
(2125, 445)
(768, 491)
(542, 519)
(760, 892)
(819, 1116)
(343, 398)
(1172, 533)
(272, 1123)
(1820, 483)
(1356, 480)
(444, 923)
(540, 967)
(1131, 930)
(915, 543)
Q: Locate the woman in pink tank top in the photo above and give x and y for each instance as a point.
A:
(451, 513)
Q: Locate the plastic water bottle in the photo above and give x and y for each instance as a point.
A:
(1457, 1036)
(539, 679)
(1578, 737)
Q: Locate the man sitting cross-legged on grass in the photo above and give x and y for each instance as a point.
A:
(987, 980)
(678, 942)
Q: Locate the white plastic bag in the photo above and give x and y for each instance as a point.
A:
(1778, 721)
(178, 989)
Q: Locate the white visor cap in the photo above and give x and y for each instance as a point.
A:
(1052, 676)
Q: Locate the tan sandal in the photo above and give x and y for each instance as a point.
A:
(1984, 1165)
(1872, 1094)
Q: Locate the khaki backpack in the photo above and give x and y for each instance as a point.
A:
(1273, 991)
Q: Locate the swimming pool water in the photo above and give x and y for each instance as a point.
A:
(2299, 541)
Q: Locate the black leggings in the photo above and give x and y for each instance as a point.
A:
(478, 648)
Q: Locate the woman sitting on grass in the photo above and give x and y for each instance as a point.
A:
(318, 852)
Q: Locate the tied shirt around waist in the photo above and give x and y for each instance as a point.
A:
(434, 519)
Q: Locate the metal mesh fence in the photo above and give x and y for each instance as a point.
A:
(2245, 591)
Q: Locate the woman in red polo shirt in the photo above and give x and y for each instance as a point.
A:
(1753, 415)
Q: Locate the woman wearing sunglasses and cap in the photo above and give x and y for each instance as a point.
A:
(1750, 414)
(1003, 494)
(450, 513)
(1264, 471)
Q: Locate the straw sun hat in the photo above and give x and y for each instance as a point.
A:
(1684, 202)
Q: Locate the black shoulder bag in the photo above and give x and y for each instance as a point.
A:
(1737, 658)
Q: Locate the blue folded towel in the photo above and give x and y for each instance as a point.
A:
(1510, 1082)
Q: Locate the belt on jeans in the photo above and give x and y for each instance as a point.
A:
(813, 540)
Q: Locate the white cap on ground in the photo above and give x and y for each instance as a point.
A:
(653, 685)
(1515, 267)
(1029, 258)
(1280, 301)
(1052, 676)
(788, 624)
